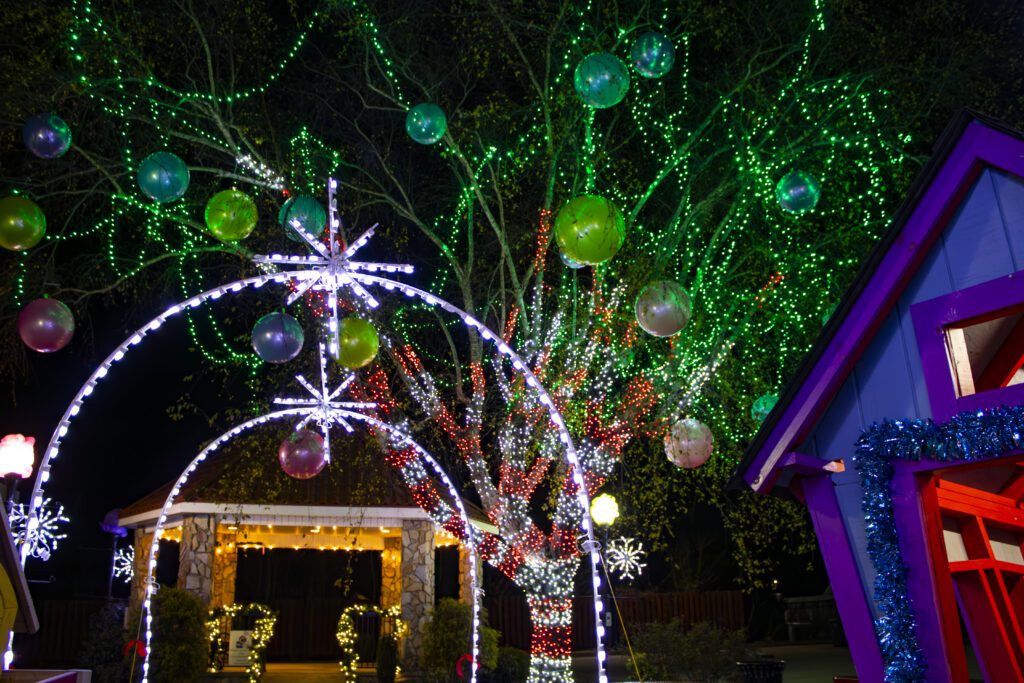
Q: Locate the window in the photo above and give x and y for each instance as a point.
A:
(986, 353)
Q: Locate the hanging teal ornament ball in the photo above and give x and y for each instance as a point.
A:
(571, 263)
(277, 337)
(163, 177)
(653, 55)
(798, 192)
(310, 214)
(762, 406)
(590, 229)
(663, 308)
(601, 80)
(426, 123)
(230, 215)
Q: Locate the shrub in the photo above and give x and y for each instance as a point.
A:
(446, 639)
(705, 653)
(513, 666)
(387, 658)
(179, 634)
(103, 646)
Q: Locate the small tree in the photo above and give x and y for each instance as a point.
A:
(446, 640)
(180, 634)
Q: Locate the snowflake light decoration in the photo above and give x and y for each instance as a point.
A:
(323, 406)
(43, 537)
(124, 564)
(625, 556)
(330, 267)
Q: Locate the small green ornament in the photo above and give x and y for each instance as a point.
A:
(601, 80)
(310, 214)
(763, 406)
(590, 229)
(230, 215)
(22, 223)
(163, 177)
(357, 343)
(653, 55)
(798, 192)
(426, 123)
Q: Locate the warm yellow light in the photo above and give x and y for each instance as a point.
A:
(604, 510)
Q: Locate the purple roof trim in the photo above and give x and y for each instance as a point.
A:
(978, 145)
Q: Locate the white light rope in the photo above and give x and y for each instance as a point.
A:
(404, 440)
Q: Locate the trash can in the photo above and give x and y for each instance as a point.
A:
(761, 670)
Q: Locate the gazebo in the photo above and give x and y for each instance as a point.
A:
(212, 526)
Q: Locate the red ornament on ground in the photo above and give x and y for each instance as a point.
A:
(302, 454)
(46, 325)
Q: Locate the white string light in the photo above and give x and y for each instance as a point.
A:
(124, 564)
(625, 557)
(39, 540)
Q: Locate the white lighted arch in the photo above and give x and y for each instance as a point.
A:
(354, 279)
(403, 438)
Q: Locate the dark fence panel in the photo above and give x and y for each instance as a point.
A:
(510, 615)
(62, 627)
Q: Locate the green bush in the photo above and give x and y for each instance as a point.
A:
(513, 666)
(387, 658)
(179, 633)
(446, 639)
(103, 646)
(704, 654)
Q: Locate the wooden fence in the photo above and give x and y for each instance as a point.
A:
(510, 615)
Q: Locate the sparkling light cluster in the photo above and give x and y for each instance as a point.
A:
(124, 564)
(40, 535)
(625, 556)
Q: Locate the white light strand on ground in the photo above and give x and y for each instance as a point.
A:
(402, 438)
(322, 406)
(45, 536)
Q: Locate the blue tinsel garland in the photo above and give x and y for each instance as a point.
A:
(977, 435)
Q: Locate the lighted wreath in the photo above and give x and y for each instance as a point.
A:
(347, 634)
(262, 632)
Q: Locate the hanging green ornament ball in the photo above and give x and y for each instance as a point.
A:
(357, 343)
(310, 214)
(230, 215)
(798, 192)
(571, 263)
(426, 123)
(590, 229)
(762, 406)
(653, 55)
(663, 308)
(163, 177)
(601, 80)
(22, 223)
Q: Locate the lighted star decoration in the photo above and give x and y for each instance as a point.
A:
(625, 557)
(323, 405)
(44, 537)
(124, 564)
(329, 269)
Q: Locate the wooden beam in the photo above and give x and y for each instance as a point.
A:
(1007, 361)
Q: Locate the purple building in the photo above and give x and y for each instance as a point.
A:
(903, 429)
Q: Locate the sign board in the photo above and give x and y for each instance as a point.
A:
(239, 648)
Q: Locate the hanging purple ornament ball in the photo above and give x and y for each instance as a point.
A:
(46, 136)
(663, 308)
(46, 325)
(302, 454)
(277, 337)
(689, 443)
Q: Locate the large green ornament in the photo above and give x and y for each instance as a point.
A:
(601, 80)
(357, 343)
(653, 55)
(426, 123)
(798, 192)
(230, 215)
(22, 223)
(590, 229)
(308, 212)
(163, 177)
(763, 406)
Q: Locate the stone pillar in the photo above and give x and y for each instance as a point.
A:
(417, 587)
(195, 558)
(142, 542)
(465, 582)
(391, 573)
(225, 568)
